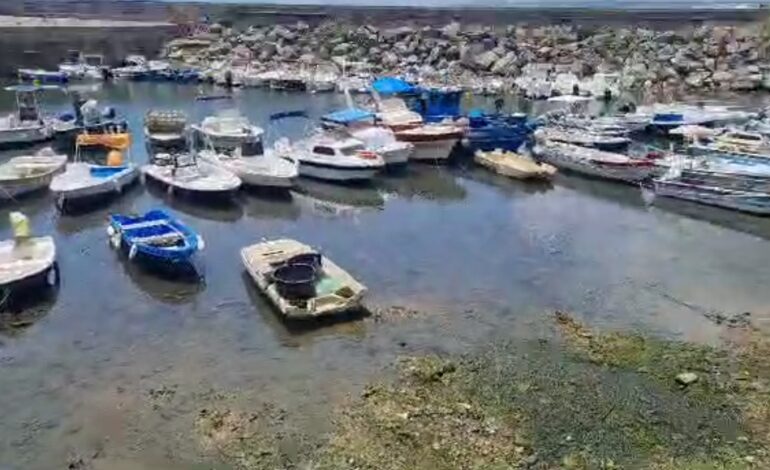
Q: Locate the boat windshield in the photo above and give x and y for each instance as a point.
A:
(351, 150)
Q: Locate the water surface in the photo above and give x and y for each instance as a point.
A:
(115, 366)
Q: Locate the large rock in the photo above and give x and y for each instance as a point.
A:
(485, 60)
(505, 64)
(389, 59)
(397, 33)
(284, 33)
(342, 49)
(696, 79)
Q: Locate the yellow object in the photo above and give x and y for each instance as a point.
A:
(113, 141)
(115, 158)
(20, 225)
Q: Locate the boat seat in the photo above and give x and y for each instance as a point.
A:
(164, 239)
(145, 224)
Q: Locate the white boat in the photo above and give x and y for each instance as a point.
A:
(82, 181)
(330, 158)
(514, 165)
(594, 162)
(753, 202)
(230, 132)
(585, 138)
(26, 259)
(432, 142)
(135, 67)
(267, 170)
(23, 175)
(184, 173)
(84, 67)
(300, 282)
(27, 125)
(360, 124)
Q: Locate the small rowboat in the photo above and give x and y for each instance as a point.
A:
(514, 165)
(22, 175)
(155, 237)
(299, 281)
(25, 261)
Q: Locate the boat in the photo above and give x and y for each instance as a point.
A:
(231, 132)
(87, 117)
(84, 66)
(135, 67)
(334, 158)
(155, 238)
(27, 125)
(82, 182)
(43, 76)
(26, 261)
(300, 282)
(663, 118)
(360, 124)
(249, 162)
(488, 132)
(165, 129)
(27, 174)
(514, 165)
(593, 162)
(321, 79)
(182, 172)
(585, 138)
(753, 202)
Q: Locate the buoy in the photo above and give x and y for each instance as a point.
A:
(170, 190)
(132, 252)
(201, 243)
(52, 277)
(115, 158)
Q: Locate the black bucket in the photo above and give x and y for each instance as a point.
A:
(295, 281)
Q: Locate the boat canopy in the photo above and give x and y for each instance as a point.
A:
(347, 116)
(113, 141)
(393, 86)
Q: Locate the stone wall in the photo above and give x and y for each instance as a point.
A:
(45, 48)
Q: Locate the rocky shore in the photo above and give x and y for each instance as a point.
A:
(701, 59)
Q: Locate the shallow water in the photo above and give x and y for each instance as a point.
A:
(115, 366)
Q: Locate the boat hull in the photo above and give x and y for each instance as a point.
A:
(71, 192)
(11, 189)
(433, 150)
(219, 183)
(24, 136)
(744, 201)
(629, 173)
(330, 172)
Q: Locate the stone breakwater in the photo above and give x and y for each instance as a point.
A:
(700, 59)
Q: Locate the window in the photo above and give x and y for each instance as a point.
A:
(323, 150)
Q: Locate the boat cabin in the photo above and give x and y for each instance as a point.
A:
(344, 148)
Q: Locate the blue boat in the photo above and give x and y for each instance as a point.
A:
(433, 104)
(155, 238)
(43, 76)
(488, 132)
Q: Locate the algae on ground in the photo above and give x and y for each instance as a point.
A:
(594, 400)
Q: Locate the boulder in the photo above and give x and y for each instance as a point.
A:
(342, 49)
(696, 79)
(451, 30)
(389, 59)
(504, 65)
(397, 33)
(485, 60)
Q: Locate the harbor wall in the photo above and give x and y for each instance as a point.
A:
(46, 47)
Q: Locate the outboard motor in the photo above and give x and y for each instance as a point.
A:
(252, 148)
(607, 94)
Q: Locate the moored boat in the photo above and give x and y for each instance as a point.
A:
(165, 129)
(155, 237)
(26, 174)
(27, 125)
(26, 261)
(300, 282)
(432, 142)
(183, 173)
(83, 182)
(596, 163)
(360, 124)
(514, 165)
(585, 138)
(332, 158)
(754, 202)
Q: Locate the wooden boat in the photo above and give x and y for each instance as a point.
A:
(22, 175)
(82, 181)
(300, 282)
(752, 202)
(596, 163)
(184, 173)
(155, 237)
(586, 138)
(25, 260)
(514, 165)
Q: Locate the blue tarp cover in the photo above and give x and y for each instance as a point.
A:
(392, 86)
(347, 116)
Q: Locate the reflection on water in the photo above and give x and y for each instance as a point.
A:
(478, 256)
(221, 210)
